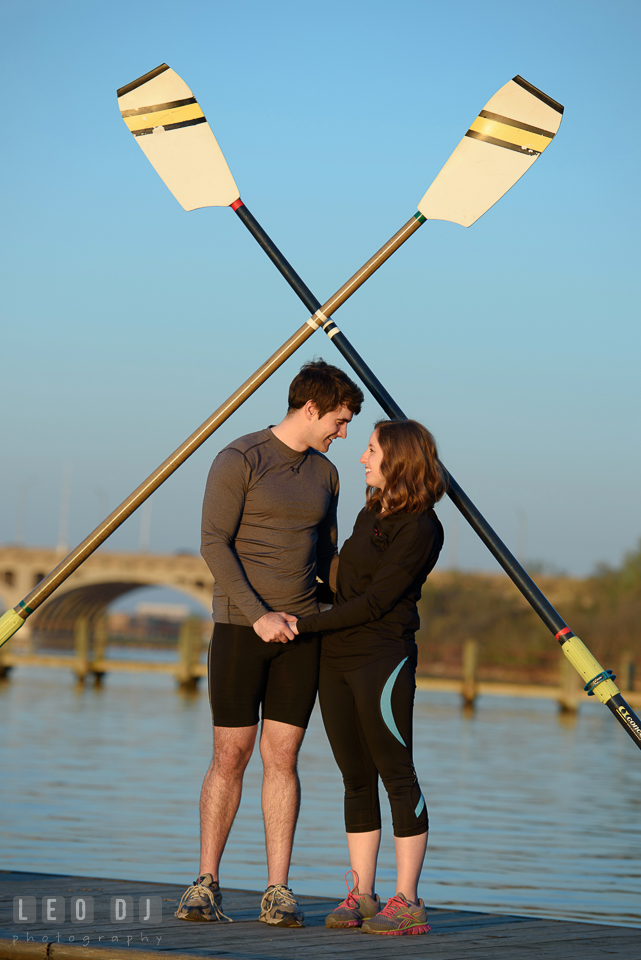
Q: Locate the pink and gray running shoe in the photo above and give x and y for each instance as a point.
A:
(398, 918)
(355, 908)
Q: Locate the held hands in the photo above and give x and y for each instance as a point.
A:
(276, 627)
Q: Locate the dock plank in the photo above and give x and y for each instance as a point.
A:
(456, 934)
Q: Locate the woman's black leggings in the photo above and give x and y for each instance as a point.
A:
(367, 714)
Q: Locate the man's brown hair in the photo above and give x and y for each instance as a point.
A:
(414, 478)
(327, 386)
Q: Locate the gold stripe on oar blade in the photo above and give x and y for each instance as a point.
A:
(163, 117)
(509, 135)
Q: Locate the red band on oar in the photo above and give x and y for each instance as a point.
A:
(236, 204)
(561, 635)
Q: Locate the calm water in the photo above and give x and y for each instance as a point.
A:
(528, 814)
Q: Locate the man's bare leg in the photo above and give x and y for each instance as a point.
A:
(279, 746)
(221, 791)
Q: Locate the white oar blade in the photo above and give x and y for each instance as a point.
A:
(168, 124)
(511, 131)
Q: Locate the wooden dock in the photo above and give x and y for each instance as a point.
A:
(89, 660)
(456, 934)
(187, 671)
(528, 691)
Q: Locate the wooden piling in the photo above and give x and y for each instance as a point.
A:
(570, 687)
(99, 647)
(5, 668)
(189, 644)
(625, 673)
(469, 686)
(81, 635)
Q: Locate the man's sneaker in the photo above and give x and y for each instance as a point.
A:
(398, 917)
(279, 907)
(355, 908)
(202, 901)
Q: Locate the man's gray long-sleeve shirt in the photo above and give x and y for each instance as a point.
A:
(268, 528)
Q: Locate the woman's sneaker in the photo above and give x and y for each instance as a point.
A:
(202, 901)
(279, 907)
(355, 908)
(398, 917)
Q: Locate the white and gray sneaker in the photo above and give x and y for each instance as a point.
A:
(279, 907)
(202, 901)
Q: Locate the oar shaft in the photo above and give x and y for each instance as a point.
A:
(533, 594)
(573, 648)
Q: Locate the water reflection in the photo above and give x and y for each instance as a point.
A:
(529, 813)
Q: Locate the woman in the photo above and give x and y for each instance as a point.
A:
(368, 665)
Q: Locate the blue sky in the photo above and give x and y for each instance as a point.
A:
(126, 321)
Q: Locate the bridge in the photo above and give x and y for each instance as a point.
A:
(100, 580)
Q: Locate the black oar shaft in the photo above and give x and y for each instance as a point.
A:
(300, 289)
(472, 514)
(532, 593)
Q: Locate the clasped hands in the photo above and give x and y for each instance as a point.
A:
(276, 627)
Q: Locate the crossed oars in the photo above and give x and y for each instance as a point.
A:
(164, 116)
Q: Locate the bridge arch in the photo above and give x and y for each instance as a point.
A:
(103, 578)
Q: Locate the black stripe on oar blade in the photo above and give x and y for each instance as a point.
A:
(538, 93)
(169, 126)
(139, 82)
(526, 151)
(141, 111)
(507, 121)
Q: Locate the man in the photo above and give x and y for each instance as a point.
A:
(268, 532)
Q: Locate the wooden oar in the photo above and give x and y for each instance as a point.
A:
(508, 135)
(167, 122)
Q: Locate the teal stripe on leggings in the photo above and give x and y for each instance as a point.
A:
(386, 703)
(419, 806)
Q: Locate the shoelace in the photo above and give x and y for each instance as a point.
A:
(283, 895)
(195, 892)
(350, 900)
(393, 906)
(221, 916)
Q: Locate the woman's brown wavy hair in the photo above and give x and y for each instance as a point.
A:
(414, 478)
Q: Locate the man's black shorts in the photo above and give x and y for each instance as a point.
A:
(246, 673)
